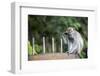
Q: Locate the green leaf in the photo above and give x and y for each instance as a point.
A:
(29, 48)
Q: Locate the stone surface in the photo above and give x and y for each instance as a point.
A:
(53, 56)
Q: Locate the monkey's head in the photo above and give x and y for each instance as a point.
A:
(69, 31)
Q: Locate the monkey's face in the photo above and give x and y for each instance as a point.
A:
(69, 31)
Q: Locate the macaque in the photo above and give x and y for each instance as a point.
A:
(74, 41)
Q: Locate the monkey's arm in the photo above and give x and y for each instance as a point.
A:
(72, 47)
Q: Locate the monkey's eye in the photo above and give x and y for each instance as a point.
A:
(66, 33)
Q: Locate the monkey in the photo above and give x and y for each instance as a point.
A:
(74, 40)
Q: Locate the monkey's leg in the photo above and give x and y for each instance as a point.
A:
(72, 48)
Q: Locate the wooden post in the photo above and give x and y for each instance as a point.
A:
(33, 43)
(53, 48)
(61, 46)
(43, 45)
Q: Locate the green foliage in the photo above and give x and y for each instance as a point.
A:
(29, 48)
(34, 51)
(38, 48)
(83, 55)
